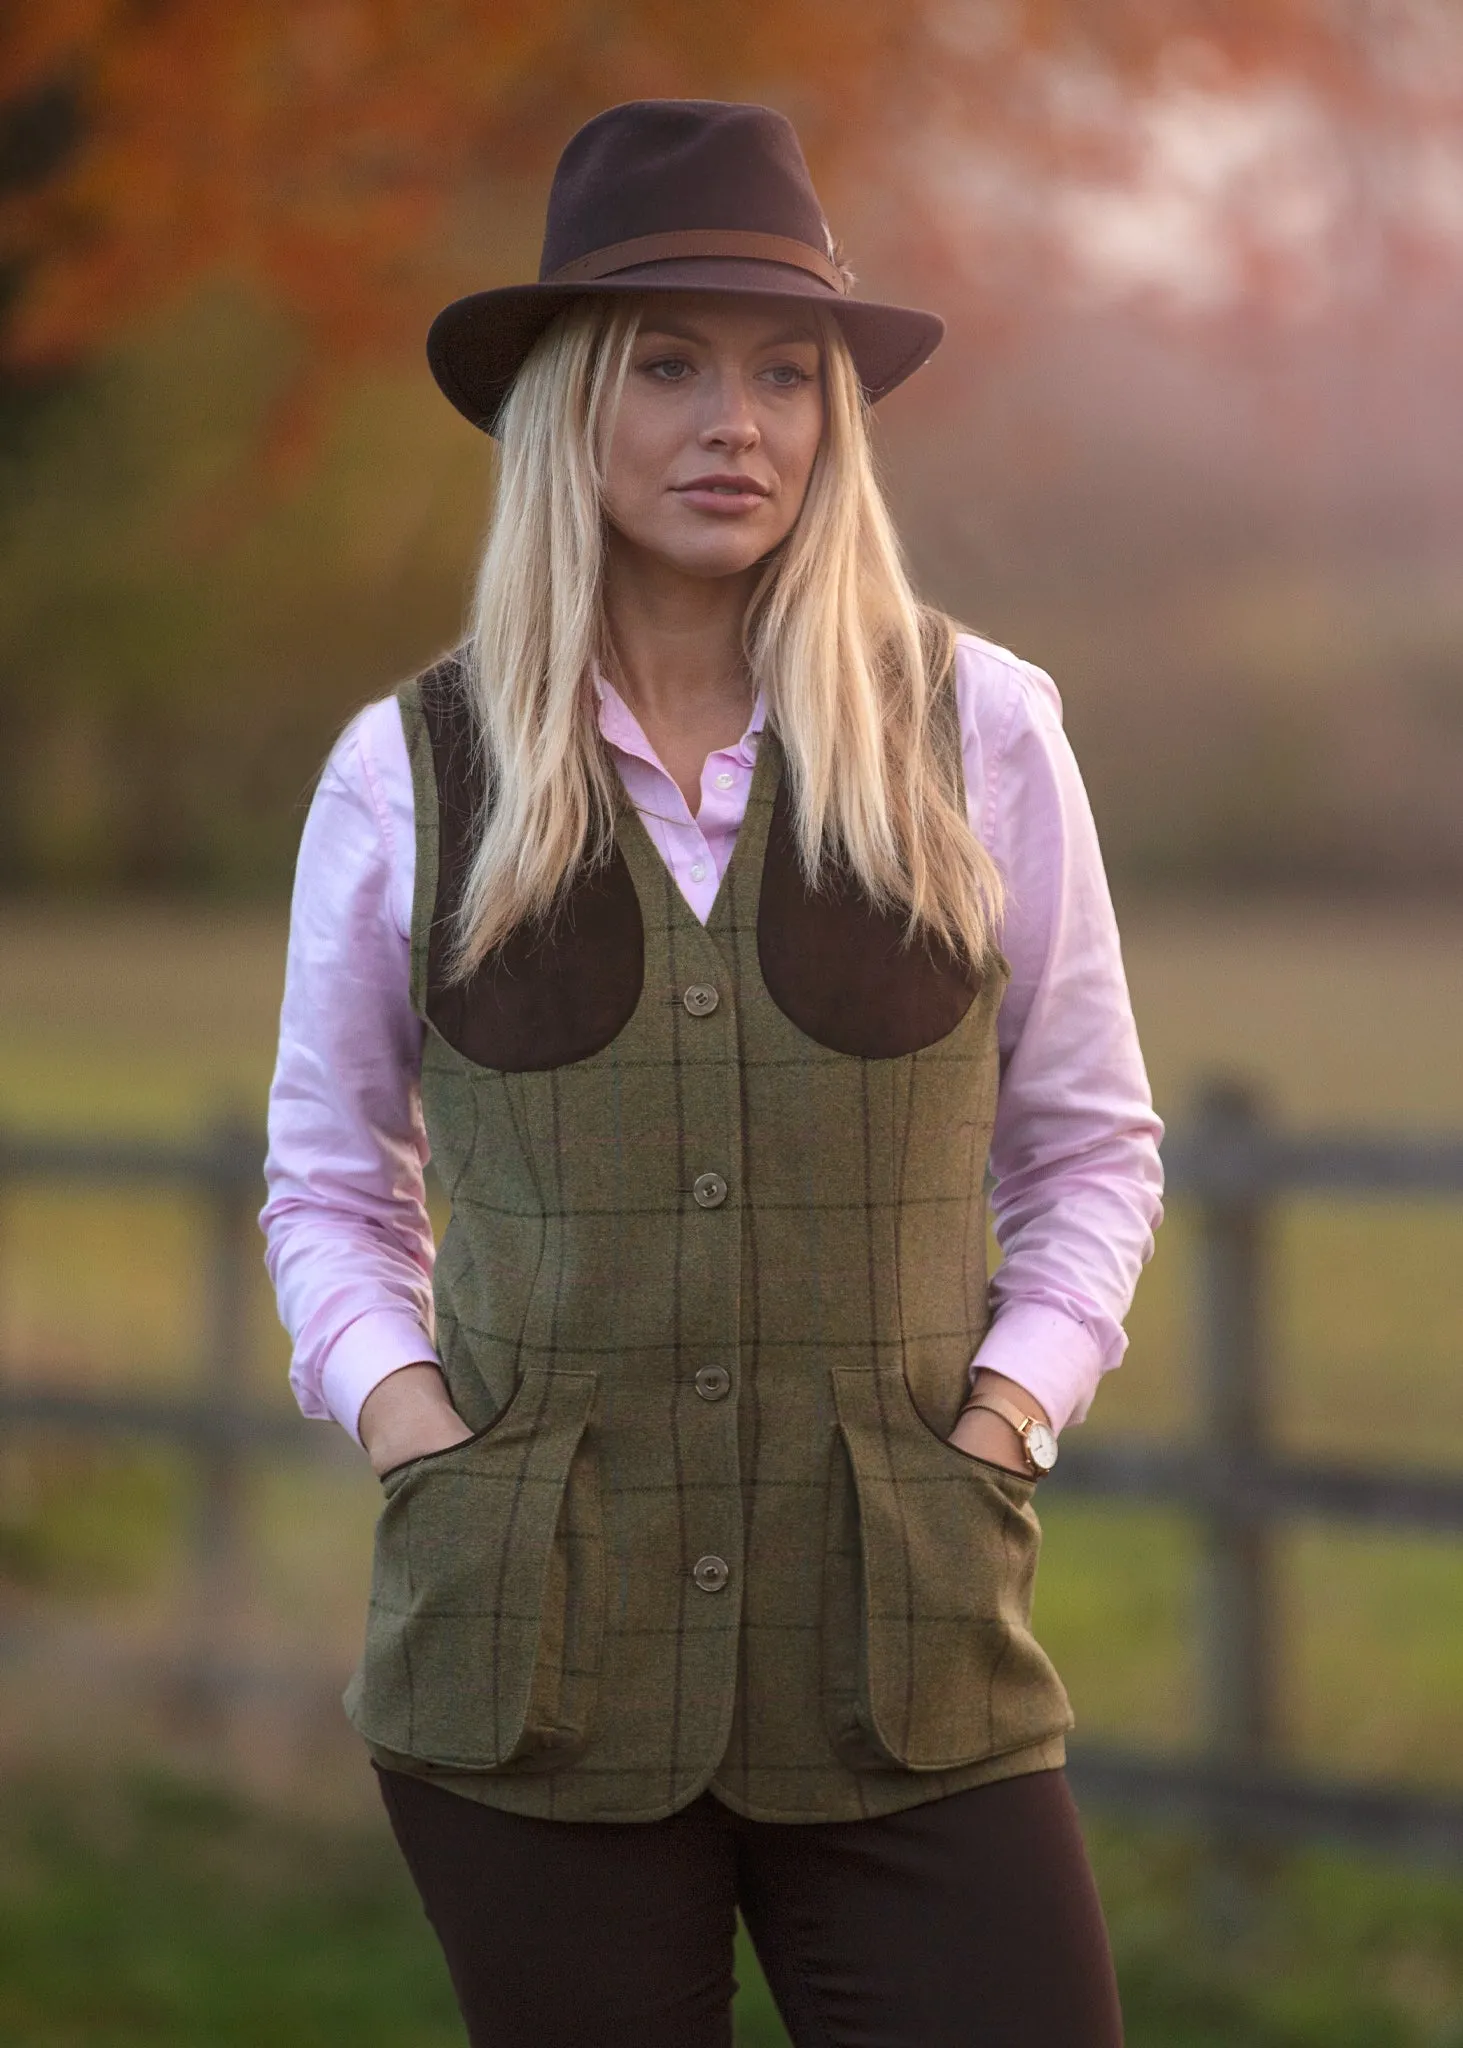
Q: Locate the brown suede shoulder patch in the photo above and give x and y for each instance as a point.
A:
(548, 995)
(841, 969)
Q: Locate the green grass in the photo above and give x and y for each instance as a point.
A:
(1370, 1661)
(1313, 1950)
(150, 1912)
(146, 1911)
(147, 1914)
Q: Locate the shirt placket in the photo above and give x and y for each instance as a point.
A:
(696, 850)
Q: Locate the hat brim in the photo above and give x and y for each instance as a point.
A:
(476, 346)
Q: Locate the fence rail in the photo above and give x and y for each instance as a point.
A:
(1231, 1161)
(1235, 1166)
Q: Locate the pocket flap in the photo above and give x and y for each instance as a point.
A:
(474, 1547)
(949, 1671)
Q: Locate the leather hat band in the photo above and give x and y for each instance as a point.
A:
(698, 242)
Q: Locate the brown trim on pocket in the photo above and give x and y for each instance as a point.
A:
(1026, 1480)
(463, 1444)
(424, 1457)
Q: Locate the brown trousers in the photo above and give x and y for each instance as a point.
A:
(971, 1921)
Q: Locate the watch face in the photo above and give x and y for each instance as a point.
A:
(1042, 1445)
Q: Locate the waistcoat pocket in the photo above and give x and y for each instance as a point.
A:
(929, 1659)
(486, 1615)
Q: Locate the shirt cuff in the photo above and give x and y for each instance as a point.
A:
(366, 1352)
(1052, 1355)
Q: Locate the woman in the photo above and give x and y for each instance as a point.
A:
(710, 915)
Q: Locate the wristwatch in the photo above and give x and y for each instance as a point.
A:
(1038, 1439)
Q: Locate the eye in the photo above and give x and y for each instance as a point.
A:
(788, 376)
(668, 369)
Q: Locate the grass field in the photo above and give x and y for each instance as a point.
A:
(141, 1910)
(150, 1021)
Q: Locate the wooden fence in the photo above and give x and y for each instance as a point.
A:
(1235, 1166)
(1231, 1162)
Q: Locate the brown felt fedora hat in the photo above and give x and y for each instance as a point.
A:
(674, 195)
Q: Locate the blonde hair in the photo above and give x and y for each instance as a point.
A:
(849, 661)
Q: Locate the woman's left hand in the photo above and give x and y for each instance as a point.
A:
(981, 1433)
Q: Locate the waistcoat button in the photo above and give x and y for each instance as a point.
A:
(709, 1190)
(712, 1382)
(711, 1573)
(700, 999)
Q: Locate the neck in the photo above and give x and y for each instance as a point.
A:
(677, 639)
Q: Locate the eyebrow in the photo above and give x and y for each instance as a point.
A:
(673, 333)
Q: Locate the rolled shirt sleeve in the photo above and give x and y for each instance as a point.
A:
(348, 1241)
(1074, 1154)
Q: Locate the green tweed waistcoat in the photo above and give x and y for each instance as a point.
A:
(713, 1277)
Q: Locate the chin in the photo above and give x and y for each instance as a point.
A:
(713, 562)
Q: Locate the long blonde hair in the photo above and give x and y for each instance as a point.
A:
(848, 659)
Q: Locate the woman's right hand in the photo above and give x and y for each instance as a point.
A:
(408, 1414)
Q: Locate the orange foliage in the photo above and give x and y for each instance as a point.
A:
(321, 146)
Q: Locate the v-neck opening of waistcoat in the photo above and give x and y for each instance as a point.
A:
(652, 876)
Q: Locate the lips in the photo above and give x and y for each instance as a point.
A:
(727, 482)
(725, 491)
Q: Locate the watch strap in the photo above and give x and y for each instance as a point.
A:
(1019, 1420)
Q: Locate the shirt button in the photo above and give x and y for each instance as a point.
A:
(698, 871)
(711, 1573)
(700, 999)
(713, 1382)
(724, 780)
(709, 1190)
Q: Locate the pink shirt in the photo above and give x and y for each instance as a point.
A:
(1074, 1153)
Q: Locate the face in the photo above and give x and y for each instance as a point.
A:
(709, 456)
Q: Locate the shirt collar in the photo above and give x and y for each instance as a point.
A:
(622, 729)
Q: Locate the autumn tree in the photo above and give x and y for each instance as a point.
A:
(343, 154)
(179, 636)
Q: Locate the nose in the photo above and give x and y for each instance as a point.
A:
(731, 421)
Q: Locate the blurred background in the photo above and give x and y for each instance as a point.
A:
(1194, 444)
